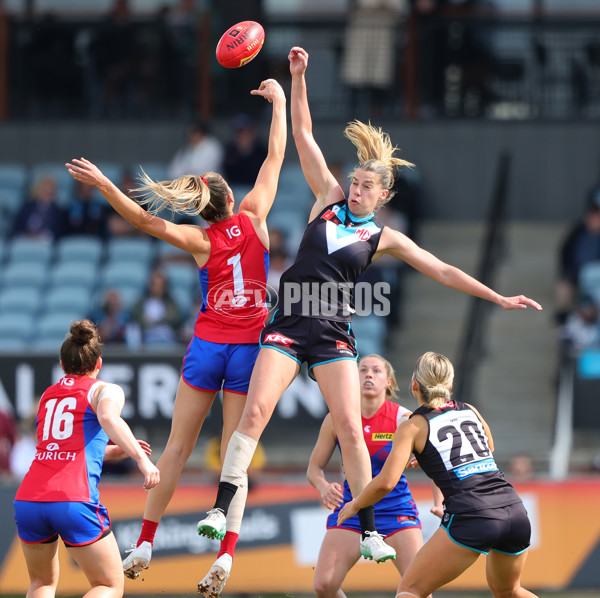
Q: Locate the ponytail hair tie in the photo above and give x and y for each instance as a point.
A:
(204, 181)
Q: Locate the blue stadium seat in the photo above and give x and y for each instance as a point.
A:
(133, 249)
(292, 187)
(12, 345)
(370, 332)
(130, 273)
(17, 326)
(21, 274)
(182, 276)
(25, 300)
(66, 274)
(13, 176)
(184, 299)
(79, 248)
(25, 250)
(68, 298)
(55, 325)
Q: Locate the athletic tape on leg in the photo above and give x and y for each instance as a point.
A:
(406, 595)
(236, 509)
(240, 451)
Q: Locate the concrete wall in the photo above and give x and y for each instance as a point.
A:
(554, 164)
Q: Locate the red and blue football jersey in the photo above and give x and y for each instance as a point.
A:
(379, 431)
(234, 283)
(70, 445)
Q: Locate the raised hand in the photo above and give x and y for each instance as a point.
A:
(298, 58)
(84, 171)
(270, 90)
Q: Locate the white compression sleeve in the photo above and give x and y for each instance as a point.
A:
(238, 456)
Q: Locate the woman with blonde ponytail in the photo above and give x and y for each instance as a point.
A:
(316, 303)
(232, 255)
(482, 513)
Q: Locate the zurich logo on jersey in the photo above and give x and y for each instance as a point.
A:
(52, 446)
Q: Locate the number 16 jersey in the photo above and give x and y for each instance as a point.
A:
(457, 457)
(70, 445)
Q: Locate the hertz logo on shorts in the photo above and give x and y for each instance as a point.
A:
(382, 436)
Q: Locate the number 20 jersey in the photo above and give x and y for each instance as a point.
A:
(70, 445)
(457, 457)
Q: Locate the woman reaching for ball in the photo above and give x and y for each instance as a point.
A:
(340, 241)
(232, 255)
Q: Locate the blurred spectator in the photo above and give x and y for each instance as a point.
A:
(23, 451)
(112, 319)
(202, 153)
(582, 245)
(8, 435)
(124, 67)
(117, 225)
(461, 60)
(86, 215)
(406, 200)
(157, 314)
(582, 328)
(40, 217)
(368, 64)
(245, 154)
(186, 331)
(279, 257)
(183, 22)
(520, 468)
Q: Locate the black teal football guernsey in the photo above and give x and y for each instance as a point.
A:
(335, 250)
(457, 457)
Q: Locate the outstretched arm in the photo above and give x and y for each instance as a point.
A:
(331, 492)
(389, 475)
(107, 403)
(187, 237)
(400, 246)
(259, 201)
(322, 183)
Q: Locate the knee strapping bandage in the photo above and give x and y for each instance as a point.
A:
(238, 456)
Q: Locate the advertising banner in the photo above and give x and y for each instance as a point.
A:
(282, 532)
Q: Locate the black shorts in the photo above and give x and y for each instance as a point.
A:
(310, 339)
(503, 529)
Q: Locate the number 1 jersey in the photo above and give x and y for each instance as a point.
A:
(70, 445)
(234, 284)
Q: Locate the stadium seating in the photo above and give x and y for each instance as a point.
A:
(19, 327)
(79, 248)
(69, 298)
(24, 250)
(25, 300)
(133, 249)
(24, 275)
(66, 274)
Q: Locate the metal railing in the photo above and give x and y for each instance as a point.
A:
(471, 345)
(381, 67)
